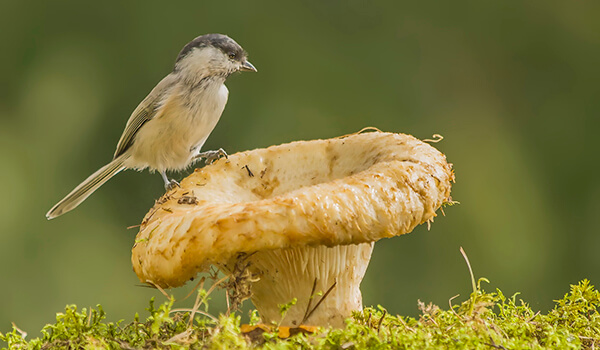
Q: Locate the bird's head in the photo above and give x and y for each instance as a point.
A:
(212, 54)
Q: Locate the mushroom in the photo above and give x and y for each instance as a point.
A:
(302, 217)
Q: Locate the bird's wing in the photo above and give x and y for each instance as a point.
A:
(144, 112)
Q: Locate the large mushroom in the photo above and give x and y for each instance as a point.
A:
(302, 217)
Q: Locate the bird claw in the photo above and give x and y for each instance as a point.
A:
(211, 156)
(171, 185)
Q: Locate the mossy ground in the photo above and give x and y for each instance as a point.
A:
(484, 321)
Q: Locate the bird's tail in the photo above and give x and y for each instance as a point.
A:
(87, 187)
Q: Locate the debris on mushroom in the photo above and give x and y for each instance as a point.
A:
(303, 215)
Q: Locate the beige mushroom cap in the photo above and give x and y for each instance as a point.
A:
(341, 191)
(353, 189)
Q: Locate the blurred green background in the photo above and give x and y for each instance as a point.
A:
(513, 86)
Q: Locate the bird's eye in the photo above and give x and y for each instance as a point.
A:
(232, 55)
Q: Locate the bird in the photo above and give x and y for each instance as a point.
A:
(169, 127)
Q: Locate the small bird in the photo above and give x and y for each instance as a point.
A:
(169, 127)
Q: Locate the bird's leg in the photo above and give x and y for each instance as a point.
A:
(169, 184)
(211, 156)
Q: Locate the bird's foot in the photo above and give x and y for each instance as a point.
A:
(211, 156)
(171, 185)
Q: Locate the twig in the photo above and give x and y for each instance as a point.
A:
(216, 284)
(436, 138)
(494, 345)
(199, 285)
(405, 324)
(365, 129)
(322, 299)
(227, 301)
(381, 320)
(532, 317)
(450, 303)
(197, 311)
(312, 295)
(159, 288)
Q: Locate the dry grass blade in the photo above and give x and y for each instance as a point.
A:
(473, 284)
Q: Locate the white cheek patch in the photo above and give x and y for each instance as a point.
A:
(207, 60)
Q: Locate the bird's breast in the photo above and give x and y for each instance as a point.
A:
(182, 124)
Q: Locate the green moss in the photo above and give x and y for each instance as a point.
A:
(484, 321)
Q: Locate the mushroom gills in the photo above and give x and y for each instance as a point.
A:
(325, 281)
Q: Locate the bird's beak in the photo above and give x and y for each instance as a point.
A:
(247, 67)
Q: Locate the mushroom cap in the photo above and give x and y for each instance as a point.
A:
(347, 190)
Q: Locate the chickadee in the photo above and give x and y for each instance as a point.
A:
(168, 128)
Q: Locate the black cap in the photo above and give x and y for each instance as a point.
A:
(219, 41)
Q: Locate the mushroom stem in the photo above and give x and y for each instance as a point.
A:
(307, 274)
